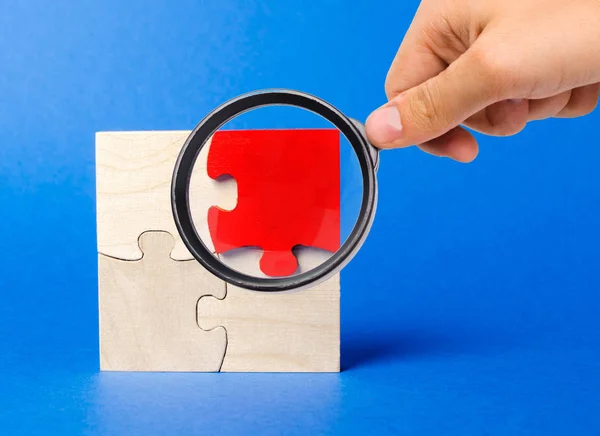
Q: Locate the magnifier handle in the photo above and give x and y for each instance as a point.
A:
(373, 151)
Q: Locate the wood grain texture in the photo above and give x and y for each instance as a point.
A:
(148, 312)
(133, 182)
(277, 331)
(160, 311)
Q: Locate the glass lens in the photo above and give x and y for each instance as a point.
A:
(276, 192)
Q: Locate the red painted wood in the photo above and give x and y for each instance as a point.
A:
(288, 193)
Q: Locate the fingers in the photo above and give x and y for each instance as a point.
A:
(440, 79)
(504, 118)
(570, 104)
(582, 102)
(417, 117)
(548, 107)
(414, 62)
(413, 65)
(457, 144)
(434, 107)
(509, 117)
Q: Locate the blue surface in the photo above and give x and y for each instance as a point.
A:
(472, 308)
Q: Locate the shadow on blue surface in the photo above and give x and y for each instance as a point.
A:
(365, 349)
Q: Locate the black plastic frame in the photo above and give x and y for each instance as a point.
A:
(367, 156)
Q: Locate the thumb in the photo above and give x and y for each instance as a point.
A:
(436, 106)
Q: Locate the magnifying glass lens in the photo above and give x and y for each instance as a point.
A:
(275, 192)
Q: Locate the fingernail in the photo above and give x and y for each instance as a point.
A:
(385, 125)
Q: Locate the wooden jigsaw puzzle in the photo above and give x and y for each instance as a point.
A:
(160, 310)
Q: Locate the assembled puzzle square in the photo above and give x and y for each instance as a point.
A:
(160, 310)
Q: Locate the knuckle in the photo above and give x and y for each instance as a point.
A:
(499, 71)
(577, 111)
(504, 127)
(427, 107)
(509, 129)
(502, 130)
(503, 119)
(581, 106)
(445, 36)
(588, 106)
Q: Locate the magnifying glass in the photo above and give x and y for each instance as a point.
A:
(305, 190)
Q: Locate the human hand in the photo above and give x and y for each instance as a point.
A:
(491, 66)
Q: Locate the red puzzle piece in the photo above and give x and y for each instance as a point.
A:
(288, 193)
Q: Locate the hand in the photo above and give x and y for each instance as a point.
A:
(491, 66)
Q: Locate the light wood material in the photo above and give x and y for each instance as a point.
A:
(160, 311)
(277, 332)
(133, 181)
(148, 312)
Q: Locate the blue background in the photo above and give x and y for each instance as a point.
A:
(471, 309)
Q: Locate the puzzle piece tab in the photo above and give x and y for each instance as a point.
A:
(148, 312)
(288, 185)
(133, 195)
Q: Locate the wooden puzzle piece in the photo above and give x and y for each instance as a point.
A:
(277, 332)
(148, 312)
(296, 331)
(133, 181)
(288, 193)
